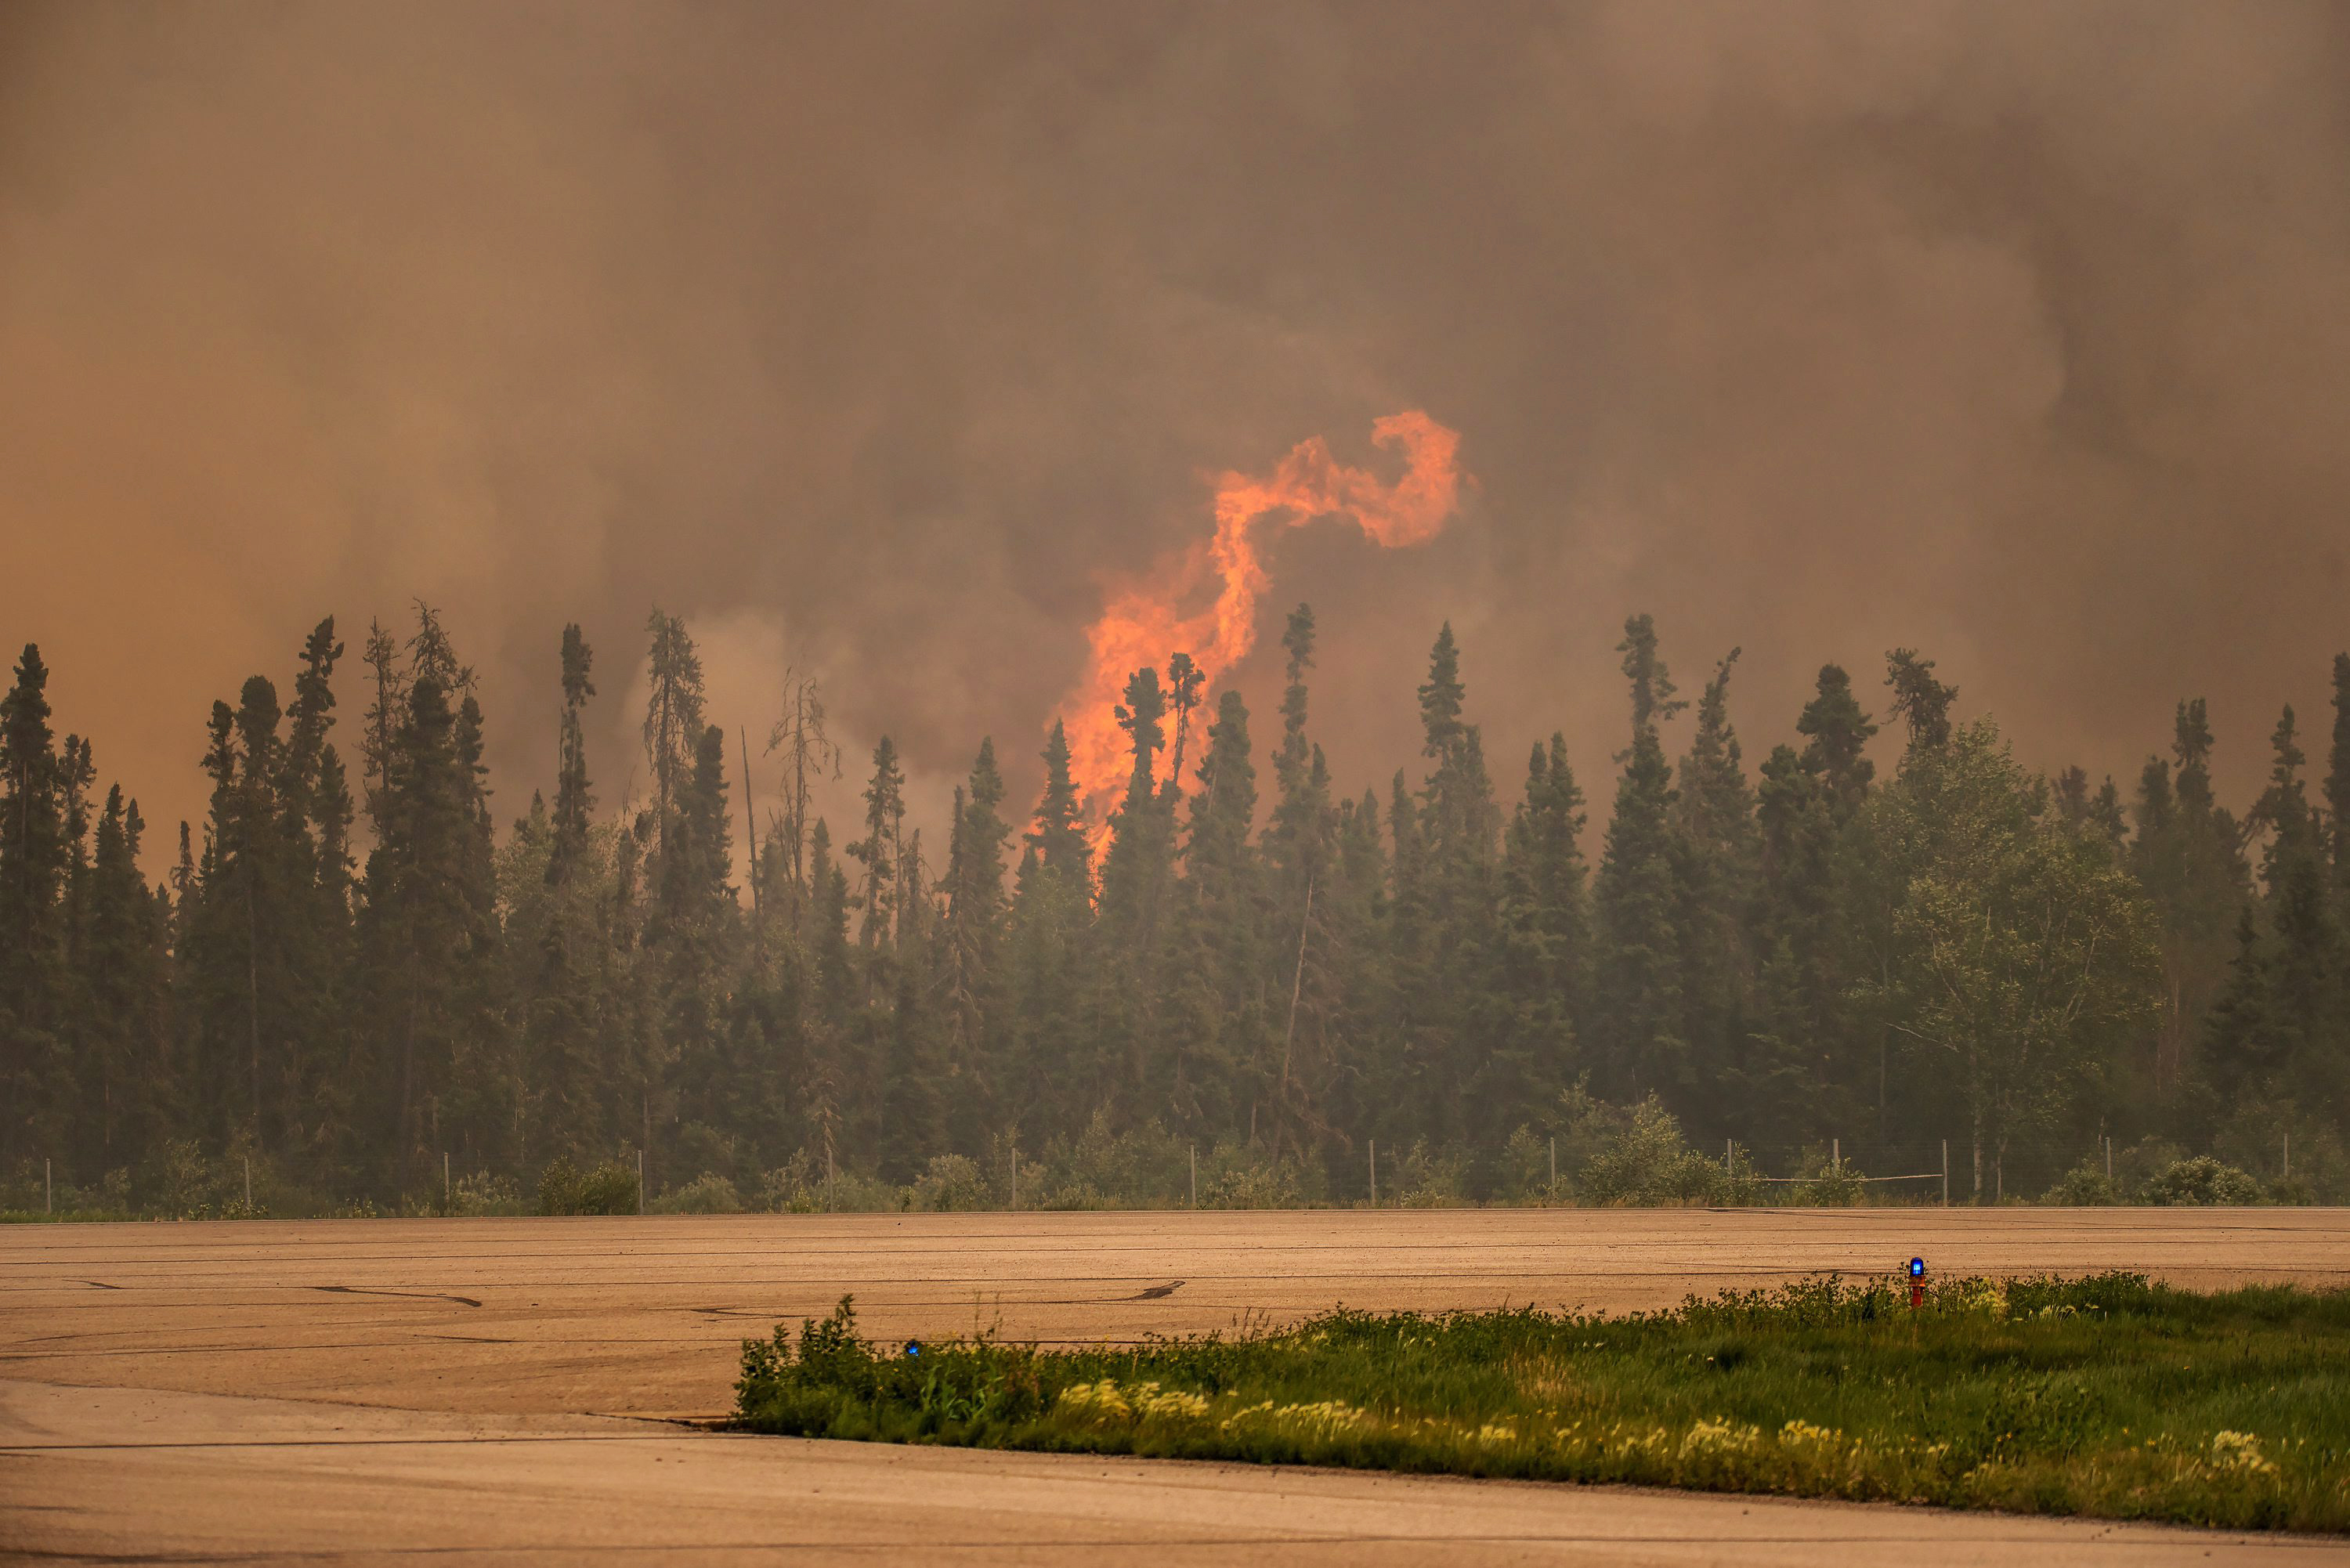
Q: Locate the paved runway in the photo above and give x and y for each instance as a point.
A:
(382, 1390)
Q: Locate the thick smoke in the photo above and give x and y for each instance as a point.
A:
(878, 338)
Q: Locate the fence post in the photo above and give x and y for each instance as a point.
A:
(1195, 1175)
(640, 1181)
(445, 1190)
(1946, 1173)
(1375, 1173)
(1015, 1177)
(2109, 1160)
(1554, 1167)
(248, 1184)
(1836, 1154)
(2288, 1157)
(48, 1188)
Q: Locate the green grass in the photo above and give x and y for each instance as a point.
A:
(2106, 1397)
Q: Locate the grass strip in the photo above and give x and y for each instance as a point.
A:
(2107, 1396)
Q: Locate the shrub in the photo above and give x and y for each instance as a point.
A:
(2203, 1180)
(610, 1189)
(1143, 1166)
(2086, 1186)
(952, 1184)
(709, 1193)
(1524, 1170)
(1830, 1184)
(1426, 1179)
(1250, 1187)
(1646, 1161)
(481, 1193)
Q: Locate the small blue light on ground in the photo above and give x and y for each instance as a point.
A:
(1917, 1268)
(913, 1347)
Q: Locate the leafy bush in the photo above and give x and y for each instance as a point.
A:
(2203, 1180)
(709, 1193)
(1251, 1186)
(1829, 1182)
(1523, 1172)
(484, 1194)
(1142, 1166)
(609, 1188)
(952, 1184)
(1426, 1179)
(2086, 1186)
(1645, 1160)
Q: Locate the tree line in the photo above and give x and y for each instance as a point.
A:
(1800, 956)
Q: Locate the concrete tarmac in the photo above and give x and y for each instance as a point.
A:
(501, 1390)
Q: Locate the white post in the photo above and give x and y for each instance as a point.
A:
(1375, 1173)
(1195, 1175)
(1835, 1145)
(1946, 1173)
(1016, 1179)
(640, 1181)
(2109, 1160)
(1554, 1167)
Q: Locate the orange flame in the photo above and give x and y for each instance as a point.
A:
(1144, 624)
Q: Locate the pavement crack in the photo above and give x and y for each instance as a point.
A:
(416, 1295)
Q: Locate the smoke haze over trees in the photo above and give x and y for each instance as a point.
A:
(1254, 959)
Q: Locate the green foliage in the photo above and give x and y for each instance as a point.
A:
(1429, 1179)
(952, 1183)
(2086, 1186)
(709, 1193)
(607, 1188)
(2103, 1396)
(2202, 1180)
(481, 1193)
(1638, 1155)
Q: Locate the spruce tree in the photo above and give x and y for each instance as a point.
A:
(1920, 701)
(1213, 1010)
(1141, 833)
(2337, 777)
(1837, 734)
(34, 852)
(969, 951)
(1642, 987)
(1542, 950)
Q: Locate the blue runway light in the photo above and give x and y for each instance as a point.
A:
(1917, 1268)
(913, 1347)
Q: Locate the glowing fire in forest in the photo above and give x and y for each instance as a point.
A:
(1146, 622)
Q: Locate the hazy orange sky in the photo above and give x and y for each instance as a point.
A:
(879, 337)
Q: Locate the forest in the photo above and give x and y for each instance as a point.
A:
(1246, 987)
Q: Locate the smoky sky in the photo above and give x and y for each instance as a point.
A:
(875, 340)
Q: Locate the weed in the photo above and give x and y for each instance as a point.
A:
(2106, 1396)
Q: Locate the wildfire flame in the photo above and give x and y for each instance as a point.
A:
(1145, 623)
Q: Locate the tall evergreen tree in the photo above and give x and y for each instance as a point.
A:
(33, 853)
(1715, 884)
(1836, 732)
(1214, 1013)
(1642, 993)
